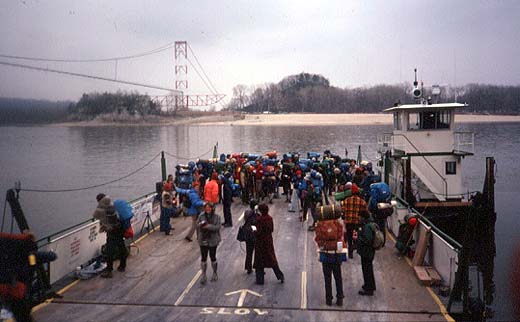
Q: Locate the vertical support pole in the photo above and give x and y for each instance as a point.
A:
(163, 166)
(408, 181)
(489, 185)
(387, 164)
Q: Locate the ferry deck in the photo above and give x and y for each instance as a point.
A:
(161, 283)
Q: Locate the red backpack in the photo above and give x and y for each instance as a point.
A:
(328, 234)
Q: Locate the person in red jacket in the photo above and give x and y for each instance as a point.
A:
(265, 256)
(211, 191)
(259, 174)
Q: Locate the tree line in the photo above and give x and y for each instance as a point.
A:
(120, 103)
(30, 111)
(311, 93)
(120, 106)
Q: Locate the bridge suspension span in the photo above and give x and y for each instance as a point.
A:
(174, 100)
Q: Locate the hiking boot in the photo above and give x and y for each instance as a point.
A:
(339, 301)
(121, 269)
(188, 239)
(311, 228)
(106, 274)
(328, 302)
(366, 293)
(203, 267)
(214, 278)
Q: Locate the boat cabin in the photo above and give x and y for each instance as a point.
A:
(424, 140)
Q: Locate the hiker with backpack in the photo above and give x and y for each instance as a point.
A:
(379, 205)
(369, 239)
(248, 235)
(329, 233)
(352, 207)
(109, 223)
(192, 203)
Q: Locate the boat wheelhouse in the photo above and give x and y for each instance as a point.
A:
(423, 154)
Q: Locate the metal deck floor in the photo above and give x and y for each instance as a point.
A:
(161, 283)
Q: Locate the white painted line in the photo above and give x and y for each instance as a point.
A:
(188, 288)
(241, 216)
(303, 288)
(303, 304)
(243, 293)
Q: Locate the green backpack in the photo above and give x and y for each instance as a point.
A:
(379, 238)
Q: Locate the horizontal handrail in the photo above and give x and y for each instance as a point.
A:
(455, 244)
(90, 220)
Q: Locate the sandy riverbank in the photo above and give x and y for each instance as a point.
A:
(286, 120)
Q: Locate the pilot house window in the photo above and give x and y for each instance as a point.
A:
(451, 167)
(429, 120)
(397, 121)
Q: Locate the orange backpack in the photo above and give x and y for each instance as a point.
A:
(328, 234)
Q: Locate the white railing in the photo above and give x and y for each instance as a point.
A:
(464, 142)
(441, 254)
(81, 244)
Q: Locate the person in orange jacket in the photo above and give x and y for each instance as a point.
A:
(211, 191)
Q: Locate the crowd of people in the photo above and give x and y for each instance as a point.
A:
(306, 183)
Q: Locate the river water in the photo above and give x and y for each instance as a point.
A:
(63, 158)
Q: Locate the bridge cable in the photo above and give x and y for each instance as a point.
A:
(57, 71)
(150, 52)
(202, 68)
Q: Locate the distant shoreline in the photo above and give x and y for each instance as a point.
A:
(347, 119)
(293, 119)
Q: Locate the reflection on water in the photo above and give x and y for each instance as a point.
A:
(69, 157)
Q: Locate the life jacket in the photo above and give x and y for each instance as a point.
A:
(328, 234)
(15, 264)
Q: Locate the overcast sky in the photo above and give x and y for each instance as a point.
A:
(352, 43)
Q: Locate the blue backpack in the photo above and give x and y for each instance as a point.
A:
(125, 211)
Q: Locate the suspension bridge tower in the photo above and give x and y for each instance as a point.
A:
(181, 74)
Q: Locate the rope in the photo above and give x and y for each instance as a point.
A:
(97, 185)
(189, 158)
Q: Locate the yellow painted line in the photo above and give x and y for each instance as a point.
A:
(188, 288)
(441, 306)
(67, 287)
(60, 292)
(443, 309)
(145, 235)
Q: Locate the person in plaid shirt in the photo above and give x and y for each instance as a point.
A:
(351, 207)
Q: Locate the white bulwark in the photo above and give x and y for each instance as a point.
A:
(424, 135)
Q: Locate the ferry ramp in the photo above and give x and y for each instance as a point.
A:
(161, 283)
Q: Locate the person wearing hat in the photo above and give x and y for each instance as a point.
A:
(250, 228)
(109, 223)
(208, 235)
(265, 256)
(352, 207)
(366, 251)
(193, 204)
(227, 199)
(307, 198)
